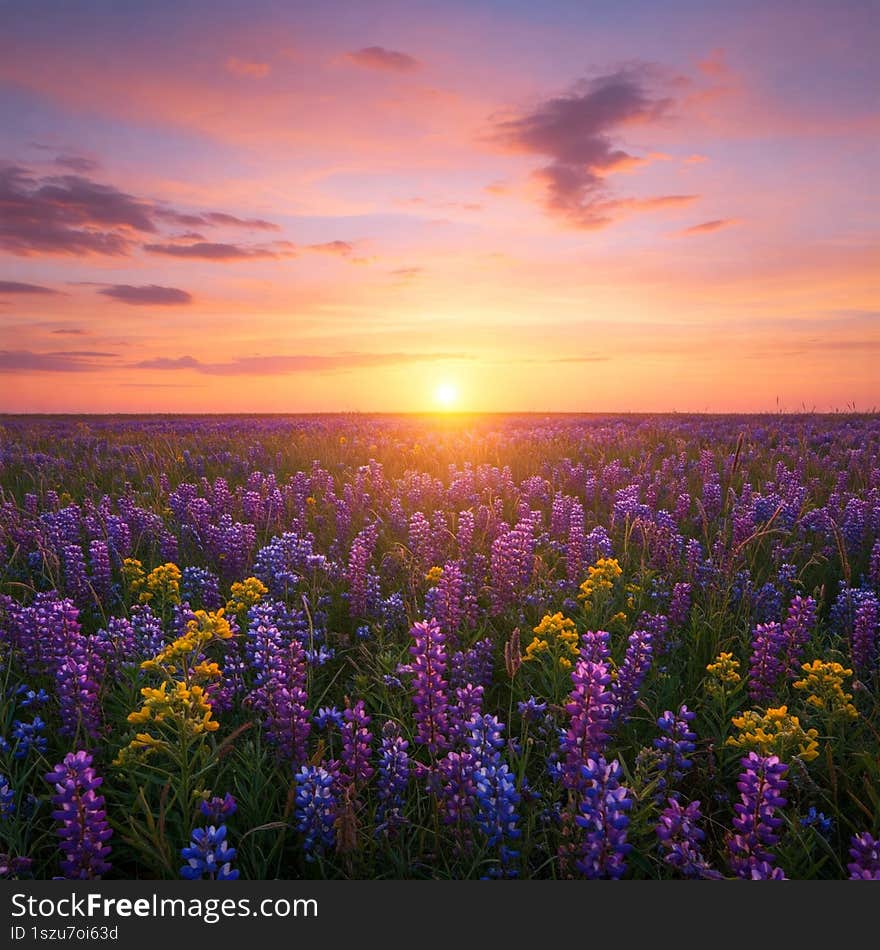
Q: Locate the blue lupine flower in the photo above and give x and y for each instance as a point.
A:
(315, 809)
(532, 709)
(328, 716)
(7, 798)
(604, 819)
(27, 736)
(817, 820)
(208, 855)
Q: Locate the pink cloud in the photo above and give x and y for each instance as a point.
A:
(246, 68)
(377, 57)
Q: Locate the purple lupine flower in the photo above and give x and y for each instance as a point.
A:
(532, 709)
(796, 631)
(681, 837)
(392, 780)
(453, 781)
(591, 710)
(429, 685)
(865, 853)
(604, 808)
(512, 563)
(767, 662)
(675, 746)
(756, 822)
(680, 604)
(576, 546)
(632, 672)
(282, 699)
(14, 868)
(595, 646)
(474, 665)
(99, 561)
(356, 744)
(449, 601)
(76, 581)
(208, 856)
(469, 703)
(83, 827)
(217, 809)
(315, 808)
(863, 639)
(485, 739)
(358, 561)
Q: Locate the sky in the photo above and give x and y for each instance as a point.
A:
(466, 204)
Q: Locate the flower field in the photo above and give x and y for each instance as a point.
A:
(440, 647)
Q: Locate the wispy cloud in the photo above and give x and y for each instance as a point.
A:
(15, 287)
(377, 57)
(62, 361)
(707, 227)
(333, 247)
(149, 295)
(246, 68)
(211, 251)
(283, 365)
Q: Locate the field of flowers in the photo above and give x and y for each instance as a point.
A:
(403, 647)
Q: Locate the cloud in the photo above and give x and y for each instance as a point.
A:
(149, 295)
(209, 251)
(74, 215)
(69, 331)
(215, 219)
(77, 163)
(65, 361)
(283, 365)
(707, 227)
(407, 272)
(377, 57)
(333, 247)
(14, 287)
(579, 134)
(246, 68)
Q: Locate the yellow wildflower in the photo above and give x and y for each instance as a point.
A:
(600, 579)
(723, 672)
(245, 594)
(557, 634)
(434, 575)
(163, 584)
(775, 732)
(824, 684)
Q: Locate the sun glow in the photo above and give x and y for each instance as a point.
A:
(446, 395)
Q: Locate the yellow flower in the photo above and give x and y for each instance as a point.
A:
(434, 575)
(245, 594)
(824, 682)
(600, 579)
(311, 502)
(723, 672)
(162, 583)
(535, 648)
(775, 732)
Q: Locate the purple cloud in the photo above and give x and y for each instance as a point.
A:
(215, 219)
(282, 365)
(377, 57)
(578, 133)
(64, 361)
(149, 295)
(74, 215)
(69, 331)
(14, 287)
(209, 251)
(77, 163)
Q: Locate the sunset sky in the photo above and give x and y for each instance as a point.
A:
(268, 206)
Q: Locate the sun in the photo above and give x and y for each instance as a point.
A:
(446, 395)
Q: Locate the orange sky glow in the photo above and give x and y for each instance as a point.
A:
(412, 206)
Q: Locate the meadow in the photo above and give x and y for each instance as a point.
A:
(440, 647)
